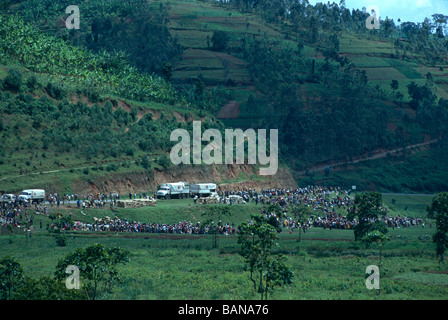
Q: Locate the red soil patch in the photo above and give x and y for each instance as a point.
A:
(229, 111)
(221, 19)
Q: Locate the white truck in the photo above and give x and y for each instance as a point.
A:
(203, 190)
(32, 195)
(179, 190)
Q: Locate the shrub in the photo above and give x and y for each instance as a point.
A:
(164, 161)
(56, 90)
(220, 40)
(61, 240)
(145, 163)
(13, 80)
(130, 152)
(92, 94)
(32, 82)
(111, 167)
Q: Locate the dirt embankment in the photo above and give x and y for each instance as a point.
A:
(223, 175)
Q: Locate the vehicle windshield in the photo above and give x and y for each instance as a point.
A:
(25, 194)
(164, 188)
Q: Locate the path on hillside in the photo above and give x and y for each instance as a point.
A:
(377, 155)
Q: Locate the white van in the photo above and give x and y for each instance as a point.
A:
(32, 195)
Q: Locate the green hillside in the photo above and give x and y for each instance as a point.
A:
(105, 98)
(88, 114)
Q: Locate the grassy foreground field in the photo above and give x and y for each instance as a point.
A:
(327, 264)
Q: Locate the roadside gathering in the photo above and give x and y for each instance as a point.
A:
(326, 205)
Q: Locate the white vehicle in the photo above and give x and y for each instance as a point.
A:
(7, 197)
(203, 190)
(32, 195)
(178, 190)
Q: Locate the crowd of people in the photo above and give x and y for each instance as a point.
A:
(326, 205)
(15, 213)
(324, 199)
(124, 225)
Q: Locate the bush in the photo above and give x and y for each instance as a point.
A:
(32, 82)
(56, 90)
(61, 240)
(92, 94)
(13, 80)
(145, 163)
(111, 167)
(220, 40)
(164, 161)
(130, 152)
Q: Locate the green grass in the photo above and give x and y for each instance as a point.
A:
(409, 205)
(353, 45)
(166, 211)
(380, 73)
(326, 264)
(405, 68)
(368, 62)
(402, 85)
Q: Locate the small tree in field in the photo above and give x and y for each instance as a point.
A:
(301, 215)
(379, 238)
(97, 267)
(367, 208)
(439, 211)
(267, 269)
(215, 213)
